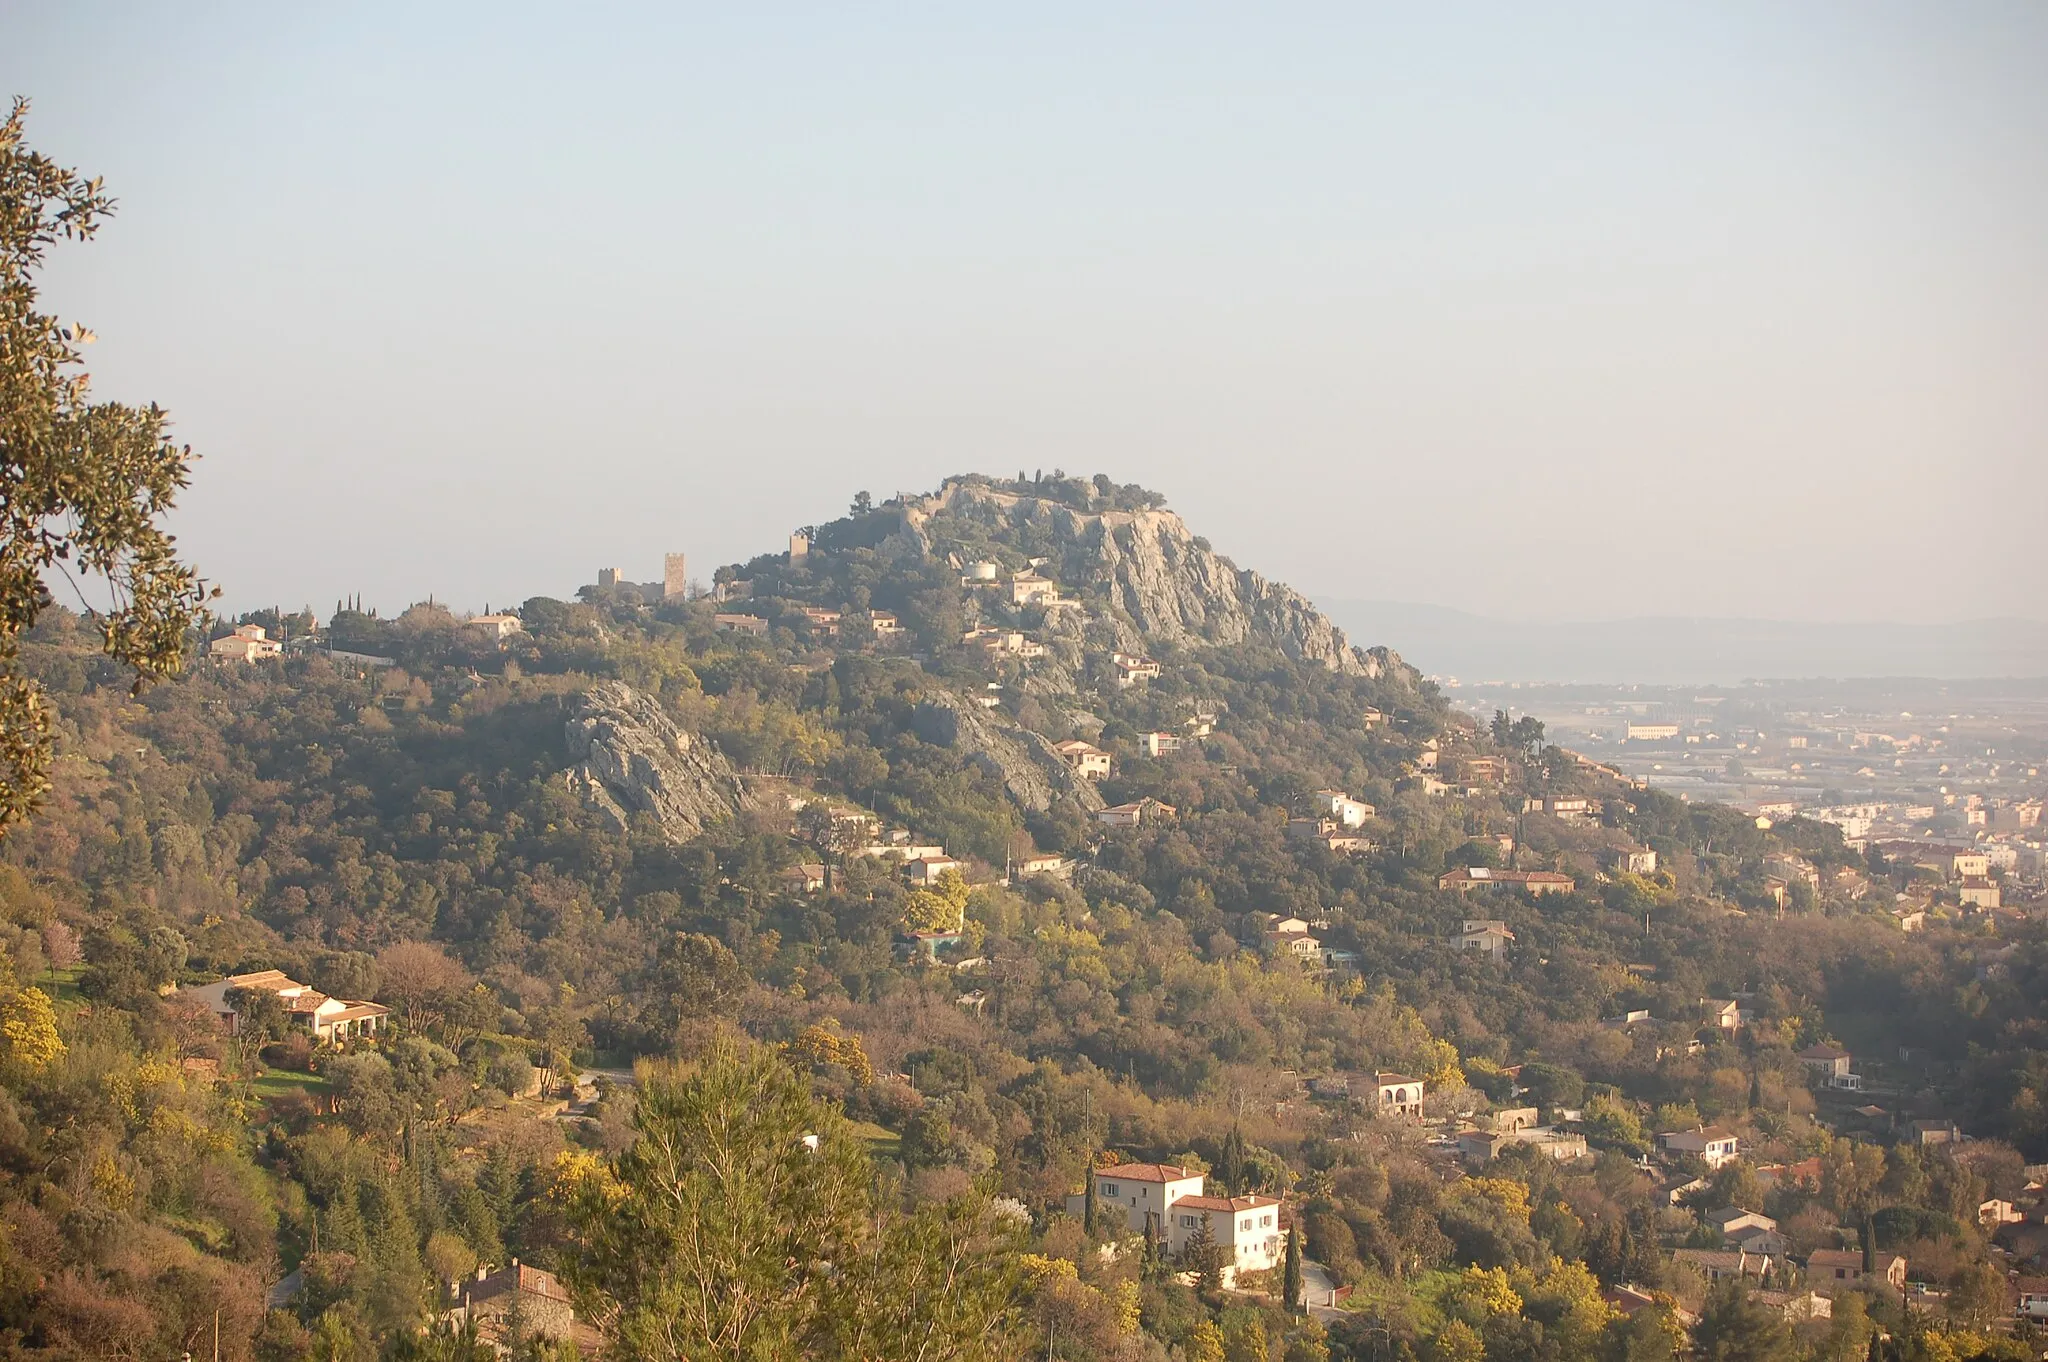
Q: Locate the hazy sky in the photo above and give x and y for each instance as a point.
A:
(1713, 309)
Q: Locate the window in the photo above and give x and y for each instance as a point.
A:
(1188, 1222)
(1245, 1224)
(1266, 1222)
(1106, 1188)
(1841, 1272)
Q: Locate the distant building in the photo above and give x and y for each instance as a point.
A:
(1028, 588)
(1978, 891)
(1717, 1264)
(1160, 744)
(885, 623)
(536, 1300)
(1829, 1065)
(499, 626)
(1467, 878)
(1633, 860)
(1488, 937)
(1298, 944)
(1352, 813)
(741, 624)
(1084, 758)
(1725, 1013)
(1713, 1146)
(1134, 813)
(325, 1018)
(675, 577)
(1834, 1269)
(1131, 668)
(249, 643)
(1397, 1094)
(1651, 732)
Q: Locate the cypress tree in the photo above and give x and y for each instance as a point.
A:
(1291, 1276)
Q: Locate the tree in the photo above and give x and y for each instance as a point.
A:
(1205, 1344)
(1735, 1327)
(83, 485)
(29, 1042)
(741, 1225)
(1204, 1257)
(1291, 1274)
(422, 980)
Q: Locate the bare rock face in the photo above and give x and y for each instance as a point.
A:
(1030, 770)
(631, 758)
(1166, 586)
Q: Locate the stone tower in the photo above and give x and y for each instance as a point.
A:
(675, 577)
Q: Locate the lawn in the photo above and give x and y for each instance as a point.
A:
(278, 1082)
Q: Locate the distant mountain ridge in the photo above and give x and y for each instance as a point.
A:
(1673, 650)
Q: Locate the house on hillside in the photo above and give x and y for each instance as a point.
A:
(1829, 1270)
(517, 1299)
(249, 643)
(1298, 944)
(306, 1008)
(1348, 812)
(1978, 891)
(1487, 936)
(1829, 1066)
(1725, 1013)
(1134, 813)
(1717, 1264)
(499, 626)
(1131, 668)
(1632, 861)
(1713, 1146)
(1397, 1094)
(1085, 759)
(1466, 878)
(1158, 745)
(1028, 588)
(1167, 1203)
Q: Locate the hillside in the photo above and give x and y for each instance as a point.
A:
(1039, 835)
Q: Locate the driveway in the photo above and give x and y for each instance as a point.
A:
(1318, 1290)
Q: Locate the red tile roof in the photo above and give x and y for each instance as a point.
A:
(1147, 1172)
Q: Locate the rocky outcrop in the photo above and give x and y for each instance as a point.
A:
(1166, 586)
(631, 758)
(1030, 770)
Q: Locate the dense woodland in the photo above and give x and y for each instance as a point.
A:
(404, 833)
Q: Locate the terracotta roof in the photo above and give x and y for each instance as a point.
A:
(1835, 1258)
(1146, 1172)
(1226, 1203)
(1824, 1052)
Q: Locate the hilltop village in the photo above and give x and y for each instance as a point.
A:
(1271, 1006)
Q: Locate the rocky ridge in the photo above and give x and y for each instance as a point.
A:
(1165, 587)
(632, 758)
(1030, 770)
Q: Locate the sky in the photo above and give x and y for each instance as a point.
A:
(1604, 311)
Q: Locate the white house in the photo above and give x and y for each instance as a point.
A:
(1491, 938)
(1397, 1094)
(498, 626)
(1246, 1228)
(1085, 759)
(329, 1019)
(249, 643)
(1829, 1064)
(1713, 1145)
(1131, 668)
(1145, 1191)
(1350, 812)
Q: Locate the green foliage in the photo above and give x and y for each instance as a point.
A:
(84, 485)
(740, 1226)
